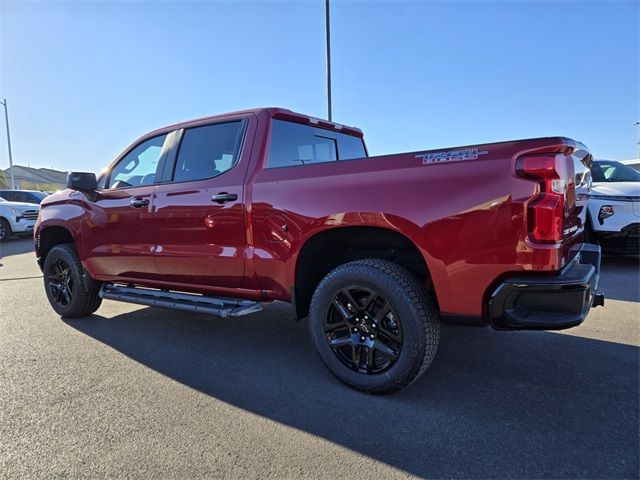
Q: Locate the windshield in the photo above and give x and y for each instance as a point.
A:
(40, 195)
(608, 171)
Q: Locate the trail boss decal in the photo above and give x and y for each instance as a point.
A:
(451, 156)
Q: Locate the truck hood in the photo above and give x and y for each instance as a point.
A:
(615, 189)
(21, 205)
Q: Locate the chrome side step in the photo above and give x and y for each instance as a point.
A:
(187, 302)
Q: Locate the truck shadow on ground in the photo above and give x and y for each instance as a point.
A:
(493, 404)
(16, 247)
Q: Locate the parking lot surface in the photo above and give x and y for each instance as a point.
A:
(142, 392)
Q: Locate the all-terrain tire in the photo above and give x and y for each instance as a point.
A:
(415, 310)
(80, 301)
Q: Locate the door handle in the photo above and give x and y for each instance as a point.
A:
(224, 197)
(139, 202)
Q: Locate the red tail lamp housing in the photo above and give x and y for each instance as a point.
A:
(545, 210)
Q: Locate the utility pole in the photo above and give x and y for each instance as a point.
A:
(6, 119)
(328, 39)
(637, 124)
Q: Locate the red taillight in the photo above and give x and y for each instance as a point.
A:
(546, 209)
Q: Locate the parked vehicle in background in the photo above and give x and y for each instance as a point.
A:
(24, 196)
(635, 164)
(614, 206)
(220, 214)
(17, 218)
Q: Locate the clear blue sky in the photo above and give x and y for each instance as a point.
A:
(85, 79)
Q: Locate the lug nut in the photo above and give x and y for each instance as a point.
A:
(362, 339)
(372, 336)
(355, 330)
(357, 320)
(373, 325)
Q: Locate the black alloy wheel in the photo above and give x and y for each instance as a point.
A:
(363, 330)
(374, 325)
(70, 291)
(60, 281)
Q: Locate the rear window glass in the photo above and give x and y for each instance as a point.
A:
(297, 144)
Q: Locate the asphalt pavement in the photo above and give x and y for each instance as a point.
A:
(137, 392)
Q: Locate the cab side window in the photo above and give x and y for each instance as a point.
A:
(8, 196)
(208, 151)
(140, 166)
(297, 144)
(22, 197)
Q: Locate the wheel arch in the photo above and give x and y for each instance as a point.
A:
(50, 236)
(330, 247)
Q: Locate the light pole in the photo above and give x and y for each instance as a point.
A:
(328, 38)
(6, 120)
(637, 124)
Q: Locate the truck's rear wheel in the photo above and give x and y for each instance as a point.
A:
(374, 326)
(66, 291)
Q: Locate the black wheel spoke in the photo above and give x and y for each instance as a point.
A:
(344, 312)
(385, 350)
(370, 359)
(384, 310)
(336, 326)
(363, 330)
(340, 342)
(355, 356)
(362, 359)
(351, 301)
(370, 301)
(384, 332)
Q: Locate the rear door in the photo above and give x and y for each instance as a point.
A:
(199, 217)
(119, 241)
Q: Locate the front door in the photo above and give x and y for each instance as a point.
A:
(120, 241)
(199, 217)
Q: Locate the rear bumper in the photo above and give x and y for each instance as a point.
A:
(531, 302)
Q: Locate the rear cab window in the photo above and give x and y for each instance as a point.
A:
(294, 144)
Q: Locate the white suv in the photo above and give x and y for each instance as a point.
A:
(17, 217)
(614, 206)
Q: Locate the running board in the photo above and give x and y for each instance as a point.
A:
(188, 302)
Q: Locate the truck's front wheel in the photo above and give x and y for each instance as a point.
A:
(374, 326)
(66, 291)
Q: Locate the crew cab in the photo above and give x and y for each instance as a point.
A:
(222, 214)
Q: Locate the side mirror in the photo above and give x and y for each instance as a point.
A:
(82, 181)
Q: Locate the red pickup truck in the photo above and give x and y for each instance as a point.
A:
(221, 214)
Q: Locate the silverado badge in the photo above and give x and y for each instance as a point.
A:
(451, 155)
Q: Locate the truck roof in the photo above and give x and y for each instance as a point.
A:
(273, 112)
